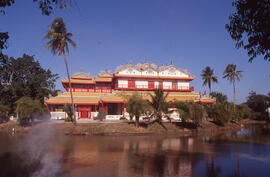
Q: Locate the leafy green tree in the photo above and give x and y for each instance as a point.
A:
(3, 41)
(159, 104)
(196, 112)
(27, 108)
(191, 111)
(259, 104)
(59, 40)
(220, 97)
(4, 110)
(221, 113)
(46, 6)
(232, 75)
(136, 107)
(101, 114)
(250, 27)
(242, 112)
(24, 77)
(183, 110)
(208, 77)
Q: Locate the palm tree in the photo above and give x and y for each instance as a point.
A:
(159, 104)
(208, 77)
(59, 40)
(232, 75)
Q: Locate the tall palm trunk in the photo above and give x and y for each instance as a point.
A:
(70, 89)
(234, 97)
(209, 85)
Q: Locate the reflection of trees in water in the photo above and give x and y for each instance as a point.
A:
(67, 152)
(211, 169)
(161, 157)
(236, 172)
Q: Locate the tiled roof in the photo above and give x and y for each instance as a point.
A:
(122, 96)
(105, 73)
(77, 100)
(81, 81)
(103, 79)
(81, 75)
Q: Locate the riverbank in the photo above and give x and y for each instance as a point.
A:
(128, 129)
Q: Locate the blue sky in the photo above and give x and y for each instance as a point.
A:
(109, 33)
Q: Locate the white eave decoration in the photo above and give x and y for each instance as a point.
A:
(148, 69)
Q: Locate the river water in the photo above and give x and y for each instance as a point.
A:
(44, 151)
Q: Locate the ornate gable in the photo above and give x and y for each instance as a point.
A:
(81, 75)
(148, 69)
(172, 70)
(128, 69)
(105, 73)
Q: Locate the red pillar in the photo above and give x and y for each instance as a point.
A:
(107, 108)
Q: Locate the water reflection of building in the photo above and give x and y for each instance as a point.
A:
(125, 156)
(158, 157)
(109, 90)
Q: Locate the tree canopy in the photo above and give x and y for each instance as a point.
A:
(136, 107)
(24, 77)
(250, 27)
(220, 97)
(259, 104)
(46, 6)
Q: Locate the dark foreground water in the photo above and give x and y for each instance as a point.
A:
(47, 152)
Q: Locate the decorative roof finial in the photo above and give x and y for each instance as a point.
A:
(145, 59)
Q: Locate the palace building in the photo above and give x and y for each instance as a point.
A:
(111, 90)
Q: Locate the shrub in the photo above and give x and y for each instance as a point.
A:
(4, 113)
(242, 111)
(191, 111)
(101, 114)
(68, 119)
(183, 110)
(221, 113)
(68, 109)
(197, 113)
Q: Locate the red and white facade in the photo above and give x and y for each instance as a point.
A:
(107, 89)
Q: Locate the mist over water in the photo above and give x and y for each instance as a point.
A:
(37, 149)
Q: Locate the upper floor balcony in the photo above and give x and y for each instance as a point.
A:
(146, 87)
